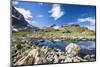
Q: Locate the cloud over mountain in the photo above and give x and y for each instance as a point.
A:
(91, 20)
(26, 13)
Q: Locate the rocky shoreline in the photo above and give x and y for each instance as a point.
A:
(35, 54)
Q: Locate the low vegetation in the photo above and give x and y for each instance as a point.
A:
(72, 31)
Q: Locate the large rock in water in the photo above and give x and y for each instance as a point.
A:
(73, 49)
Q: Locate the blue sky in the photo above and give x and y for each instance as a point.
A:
(45, 14)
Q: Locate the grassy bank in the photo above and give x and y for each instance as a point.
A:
(54, 35)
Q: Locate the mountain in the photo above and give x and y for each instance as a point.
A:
(69, 30)
(74, 28)
(19, 23)
(69, 27)
(18, 20)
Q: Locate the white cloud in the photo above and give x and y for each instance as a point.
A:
(56, 11)
(15, 2)
(91, 27)
(88, 19)
(56, 27)
(26, 13)
(91, 20)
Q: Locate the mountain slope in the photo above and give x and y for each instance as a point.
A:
(18, 20)
(19, 23)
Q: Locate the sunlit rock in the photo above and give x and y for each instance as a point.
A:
(73, 49)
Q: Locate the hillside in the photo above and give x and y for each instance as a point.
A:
(69, 32)
(19, 23)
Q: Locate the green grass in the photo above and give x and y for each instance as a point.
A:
(63, 32)
(55, 34)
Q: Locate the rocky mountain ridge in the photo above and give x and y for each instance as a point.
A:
(19, 23)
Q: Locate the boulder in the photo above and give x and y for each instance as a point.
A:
(78, 59)
(40, 60)
(50, 58)
(75, 59)
(44, 49)
(90, 57)
(87, 57)
(68, 59)
(56, 59)
(62, 57)
(73, 49)
(29, 58)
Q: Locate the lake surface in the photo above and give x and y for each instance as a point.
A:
(88, 47)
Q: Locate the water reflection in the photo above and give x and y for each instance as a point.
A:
(88, 47)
